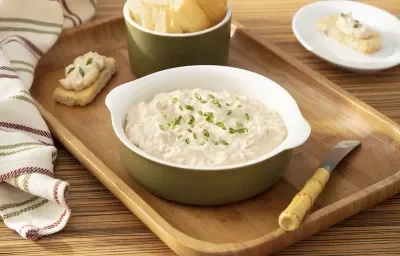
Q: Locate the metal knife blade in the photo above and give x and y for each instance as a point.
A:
(337, 153)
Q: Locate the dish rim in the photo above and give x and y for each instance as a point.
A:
(378, 65)
(303, 132)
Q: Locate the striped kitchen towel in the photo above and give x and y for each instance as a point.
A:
(32, 200)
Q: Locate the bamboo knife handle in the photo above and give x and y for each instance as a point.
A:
(293, 215)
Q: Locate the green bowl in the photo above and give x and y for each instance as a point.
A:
(207, 185)
(151, 51)
(204, 187)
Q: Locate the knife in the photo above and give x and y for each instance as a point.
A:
(293, 215)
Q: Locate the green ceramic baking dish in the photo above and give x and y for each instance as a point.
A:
(207, 186)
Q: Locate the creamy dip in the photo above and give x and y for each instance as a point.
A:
(203, 128)
(352, 27)
(83, 72)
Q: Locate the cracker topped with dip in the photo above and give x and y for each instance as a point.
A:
(84, 79)
(351, 32)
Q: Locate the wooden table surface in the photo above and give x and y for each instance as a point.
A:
(101, 225)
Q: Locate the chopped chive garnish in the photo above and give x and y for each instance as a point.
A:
(197, 96)
(237, 98)
(220, 124)
(239, 124)
(161, 127)
(343, 15)
(200, 112)
(211, 96)
(187, 141)
(209, 116)
(242, 130)
(231, 130)
(163, 114)
(175, 122)
(190, 130)
(180, 136)
(203, 101)
(224, 142)
(191, 120)
(247, 116)
(206, 133)
(215, 142)
(194, 136)
(70, 70)
(89, 61)
(178, 119)
(188, 107)
(229, 112)
(180, 107)
(227, 104)
(357, 25)
(216, 102)
(239, 106)
(81, 71)
(174, 100)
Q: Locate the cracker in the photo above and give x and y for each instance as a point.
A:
(365, 46)
(73, 98)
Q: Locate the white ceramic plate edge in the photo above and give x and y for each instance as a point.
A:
(359, 68)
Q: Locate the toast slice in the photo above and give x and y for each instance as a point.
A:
(73, 98)
(178, 16)
(368, 45)
(215, 10)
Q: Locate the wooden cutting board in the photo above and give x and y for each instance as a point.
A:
(247, 228)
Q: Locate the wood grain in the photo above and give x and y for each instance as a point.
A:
(250, 227)
(102, 226)
(243, 228)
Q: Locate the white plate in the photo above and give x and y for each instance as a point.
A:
(304, 28)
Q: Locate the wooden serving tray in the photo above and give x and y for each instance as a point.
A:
(366, 177)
